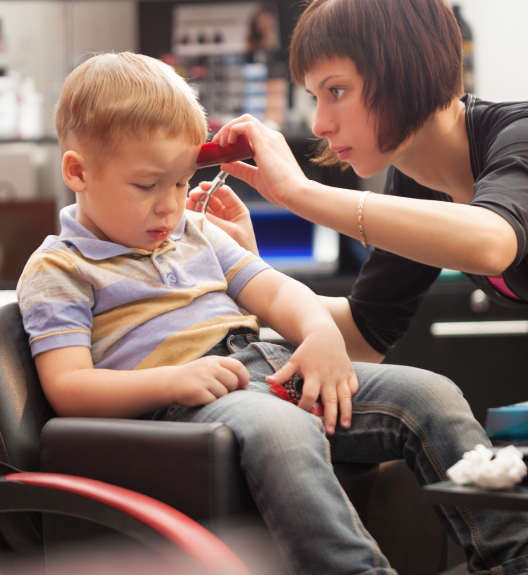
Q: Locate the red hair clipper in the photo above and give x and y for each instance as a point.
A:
(214, 155)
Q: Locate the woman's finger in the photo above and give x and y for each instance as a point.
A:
(224, 134)
(229, 134)
(242, 171)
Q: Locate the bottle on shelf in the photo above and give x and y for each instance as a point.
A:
(467, 51)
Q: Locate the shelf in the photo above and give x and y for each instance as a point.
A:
(43, 140)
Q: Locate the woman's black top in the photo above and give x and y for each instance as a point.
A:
(389, 288)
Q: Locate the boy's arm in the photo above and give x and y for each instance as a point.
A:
(75, 388)
(294, 311)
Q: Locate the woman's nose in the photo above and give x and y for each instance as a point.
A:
(322, 126)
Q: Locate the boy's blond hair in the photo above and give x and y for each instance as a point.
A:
(111, 96)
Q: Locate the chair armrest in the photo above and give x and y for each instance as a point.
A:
(132, 513)
(192, 467)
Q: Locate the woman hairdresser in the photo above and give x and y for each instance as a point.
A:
(387, 77)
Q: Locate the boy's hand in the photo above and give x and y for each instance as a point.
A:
(322, 362)
(204, 380)
(227, 211)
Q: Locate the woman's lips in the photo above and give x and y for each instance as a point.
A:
(159, 234)
(343, 153)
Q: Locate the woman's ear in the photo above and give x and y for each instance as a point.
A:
(74, 171)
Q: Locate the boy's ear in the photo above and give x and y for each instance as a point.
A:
(74, 171)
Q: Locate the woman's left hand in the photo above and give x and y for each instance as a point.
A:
(227, 211)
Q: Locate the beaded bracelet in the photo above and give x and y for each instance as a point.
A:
(360, 218)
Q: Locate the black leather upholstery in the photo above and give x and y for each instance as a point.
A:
(193, 467)
(23, 407)
(23, 412)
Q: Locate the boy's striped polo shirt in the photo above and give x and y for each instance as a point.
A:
(136, 309)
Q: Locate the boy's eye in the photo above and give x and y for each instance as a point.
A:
(183, 185)
(144, 187)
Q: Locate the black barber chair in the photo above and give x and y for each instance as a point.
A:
(191, 467)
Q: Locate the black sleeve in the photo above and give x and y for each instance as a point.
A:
(390, 288)
(502, 185)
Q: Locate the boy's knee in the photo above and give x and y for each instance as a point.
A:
(412, 388)
(432, 385)
(434, 401)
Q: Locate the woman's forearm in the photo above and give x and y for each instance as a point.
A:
(455, 236)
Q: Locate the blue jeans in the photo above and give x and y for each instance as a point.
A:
(399, 412)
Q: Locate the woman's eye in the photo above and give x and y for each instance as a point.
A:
(337, 92)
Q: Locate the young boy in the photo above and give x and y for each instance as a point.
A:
(135, 310)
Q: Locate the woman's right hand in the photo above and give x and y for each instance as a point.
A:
(277, 173)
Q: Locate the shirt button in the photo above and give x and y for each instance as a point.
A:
(171, 278)
(158, 259)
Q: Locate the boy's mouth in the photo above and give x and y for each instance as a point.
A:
(160, 233)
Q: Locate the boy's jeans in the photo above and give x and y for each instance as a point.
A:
(399, 412)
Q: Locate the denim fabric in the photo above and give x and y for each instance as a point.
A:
(399, 412)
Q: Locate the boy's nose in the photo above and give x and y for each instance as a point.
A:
(168, 202)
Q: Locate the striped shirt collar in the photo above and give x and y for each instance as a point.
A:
(93, 248)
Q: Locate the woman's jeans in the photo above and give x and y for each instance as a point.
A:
(398, 412)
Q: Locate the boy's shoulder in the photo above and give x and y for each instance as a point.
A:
(53, 247)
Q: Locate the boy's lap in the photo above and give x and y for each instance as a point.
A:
(245, 407)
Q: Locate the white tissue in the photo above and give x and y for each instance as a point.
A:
(478, 468)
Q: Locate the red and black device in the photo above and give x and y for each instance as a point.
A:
(213, 155)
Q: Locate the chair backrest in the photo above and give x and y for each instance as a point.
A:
(23, 412)
(23, 407)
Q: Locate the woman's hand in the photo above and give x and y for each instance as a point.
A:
(277, 173)
(227, 211)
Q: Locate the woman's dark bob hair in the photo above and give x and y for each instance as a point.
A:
(409, 53)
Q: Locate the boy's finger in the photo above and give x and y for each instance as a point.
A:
(239, 369)
(283, 374)
(329, 398)
(310, 394)
(345, 404)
